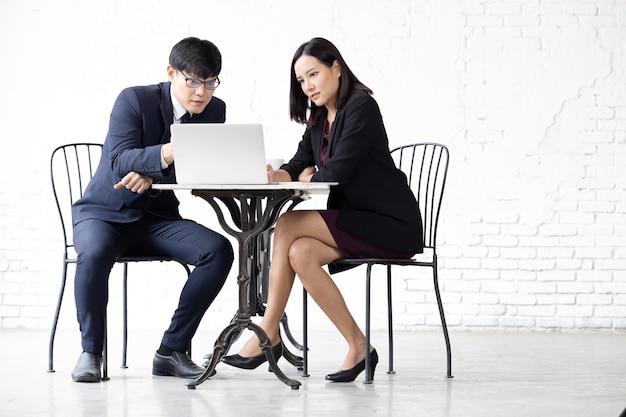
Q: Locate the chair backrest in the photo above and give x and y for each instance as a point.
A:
(71, 168)
(426, 168)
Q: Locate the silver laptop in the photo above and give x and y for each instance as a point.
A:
(219, 153)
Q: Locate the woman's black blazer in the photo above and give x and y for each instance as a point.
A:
(376, 204)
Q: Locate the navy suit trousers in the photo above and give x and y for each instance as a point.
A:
(99, 244)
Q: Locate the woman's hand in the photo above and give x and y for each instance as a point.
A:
(270, 173)
(280, 175)
(137, 183)
(306, 174)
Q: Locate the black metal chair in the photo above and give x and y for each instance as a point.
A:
(426, 167)
(71, 168)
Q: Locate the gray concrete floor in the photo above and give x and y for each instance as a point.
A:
(495, 374)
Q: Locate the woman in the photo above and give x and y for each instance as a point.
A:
(371, 213)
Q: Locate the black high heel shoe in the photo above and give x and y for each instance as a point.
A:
(350, 375)
(252, 362)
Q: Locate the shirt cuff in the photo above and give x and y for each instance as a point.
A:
(163, 163)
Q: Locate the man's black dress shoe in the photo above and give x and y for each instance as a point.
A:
(88, 368)
(350, 375)
(178, 364)
(252, 362)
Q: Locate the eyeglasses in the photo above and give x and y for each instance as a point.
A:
(191, 83)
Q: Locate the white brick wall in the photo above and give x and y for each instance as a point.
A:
(528, 95)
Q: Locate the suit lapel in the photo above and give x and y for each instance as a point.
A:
(316, 141)
(167, 111)
(333, 132)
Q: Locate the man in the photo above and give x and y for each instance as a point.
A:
(119, 215)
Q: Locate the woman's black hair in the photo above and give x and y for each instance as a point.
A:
(327, 54)
(196, 57)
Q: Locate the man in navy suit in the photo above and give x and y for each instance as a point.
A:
(120, 215)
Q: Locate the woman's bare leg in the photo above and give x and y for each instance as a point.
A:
(307, 255)
(302, 245)
(290, 227)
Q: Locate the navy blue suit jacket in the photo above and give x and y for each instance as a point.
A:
(139, 125)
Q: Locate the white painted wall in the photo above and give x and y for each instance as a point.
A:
(529, 96)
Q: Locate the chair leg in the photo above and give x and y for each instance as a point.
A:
(184, 265)
(105, 352)
(443, 319)
(390, 321)
(55, 321)
(368, 363)
(305, 337)
(124, 315)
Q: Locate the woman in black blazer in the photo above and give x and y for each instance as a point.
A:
(371, 212)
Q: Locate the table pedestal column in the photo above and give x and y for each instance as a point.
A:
(243, 208)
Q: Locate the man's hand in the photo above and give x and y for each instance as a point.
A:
(167, 152)
(137, 183)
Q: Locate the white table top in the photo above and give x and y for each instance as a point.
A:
(307, 187)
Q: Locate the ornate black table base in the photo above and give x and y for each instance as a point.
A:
(223, 343)
(252, 218)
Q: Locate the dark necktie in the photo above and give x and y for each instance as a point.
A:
(186, 117)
